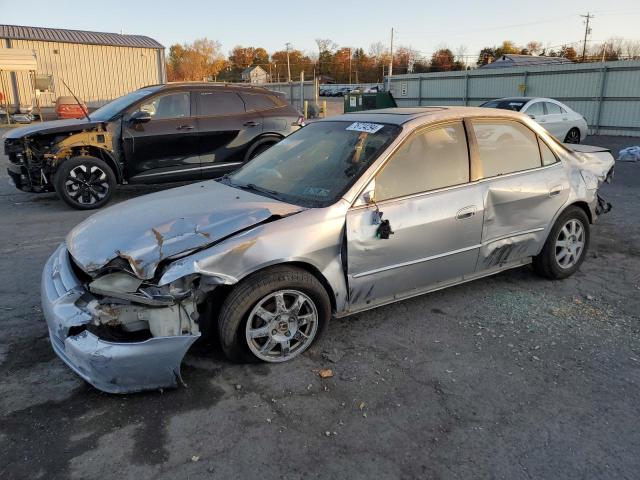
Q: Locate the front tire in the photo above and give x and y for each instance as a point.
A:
(85, 182)
(566, 246)
(273, 316)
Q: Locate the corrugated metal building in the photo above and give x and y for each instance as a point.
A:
(97, 66)
(606, 93)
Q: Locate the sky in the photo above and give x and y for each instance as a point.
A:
(421, 24)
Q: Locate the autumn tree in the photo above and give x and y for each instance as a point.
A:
(200, 60)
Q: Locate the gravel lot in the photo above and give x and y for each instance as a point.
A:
(507, 377)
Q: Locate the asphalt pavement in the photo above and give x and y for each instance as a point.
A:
(509, 377)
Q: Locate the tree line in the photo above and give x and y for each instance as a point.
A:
(204, 60)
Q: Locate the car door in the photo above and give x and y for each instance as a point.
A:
(423, 191)
(523, 186)
(536, 111)
(556, 122)
(225, 131)
(164, 147)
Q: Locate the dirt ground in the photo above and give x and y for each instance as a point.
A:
(507, 377)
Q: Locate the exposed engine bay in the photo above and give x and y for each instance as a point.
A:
(34, 159)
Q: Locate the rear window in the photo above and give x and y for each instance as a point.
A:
(508, 104)
(219, 103)
(259, 101)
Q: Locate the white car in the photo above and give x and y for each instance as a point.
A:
(559, 120)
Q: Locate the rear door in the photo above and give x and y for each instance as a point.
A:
(434, 212)
(523, 186)
(165, 148)
(557, 122)
(225, 130)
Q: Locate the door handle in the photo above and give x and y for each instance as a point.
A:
(466, 212)
(554, 191)
(251, 123)
(185, 127)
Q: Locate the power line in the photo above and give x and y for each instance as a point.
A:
(587, 31)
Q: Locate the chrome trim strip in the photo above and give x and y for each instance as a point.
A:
(412, 262)
(229, 164)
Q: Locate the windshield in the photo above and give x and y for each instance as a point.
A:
(514, 104)
(316, 165)
(111, 109)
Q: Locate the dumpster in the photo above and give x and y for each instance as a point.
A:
(357, 101)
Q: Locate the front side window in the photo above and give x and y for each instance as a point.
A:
(505, 147)
(117, 106)
(428, 160)
(316, 165)
(219, 103)
(171, 105)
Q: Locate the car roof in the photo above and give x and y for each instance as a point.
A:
(211, 85)
(401, 116)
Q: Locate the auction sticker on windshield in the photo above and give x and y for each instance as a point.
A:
(365, 127)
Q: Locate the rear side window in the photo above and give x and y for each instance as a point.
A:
(219, 103)
(553, 109)
(505, 147)
(535, 109)
(428, 160)
(257, 101)
(548, 157)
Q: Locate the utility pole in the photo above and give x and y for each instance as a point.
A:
(390, 64)
(288, 45)
(587, 31)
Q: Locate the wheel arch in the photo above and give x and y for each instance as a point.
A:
(263, 138)
(101, 154)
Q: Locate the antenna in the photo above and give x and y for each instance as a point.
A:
(77, 101)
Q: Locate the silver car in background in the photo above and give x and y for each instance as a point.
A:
(345, 215)
(557, 118)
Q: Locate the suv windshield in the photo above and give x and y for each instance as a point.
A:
(315, 166)
(111, 109)
(514, 104)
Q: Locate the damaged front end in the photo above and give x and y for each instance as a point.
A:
(119, 333)
(35, 156)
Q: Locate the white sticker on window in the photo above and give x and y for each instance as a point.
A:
(365, 127)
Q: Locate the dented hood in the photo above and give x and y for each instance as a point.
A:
(149, 229)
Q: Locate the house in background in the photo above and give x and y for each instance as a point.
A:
(255, 75)
(513, 60)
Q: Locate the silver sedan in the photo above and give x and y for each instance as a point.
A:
(347, 214)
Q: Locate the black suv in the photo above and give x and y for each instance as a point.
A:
(161, 133)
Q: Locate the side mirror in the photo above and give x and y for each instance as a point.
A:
(140, 117)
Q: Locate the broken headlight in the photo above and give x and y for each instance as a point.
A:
(123, 286)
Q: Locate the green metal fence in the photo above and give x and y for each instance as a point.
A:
(606, 93)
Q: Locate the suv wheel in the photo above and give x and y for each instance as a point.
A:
(566, 246)
(84, 182)
(273, 316)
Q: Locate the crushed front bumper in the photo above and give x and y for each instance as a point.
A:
(109, 366)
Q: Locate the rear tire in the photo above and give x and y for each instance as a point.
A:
(85, 182)
(566, 246)
(260, 147)
(285, 308)
(573, 136)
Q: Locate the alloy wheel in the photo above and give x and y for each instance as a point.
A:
(573, 136)
(569, 244)
(281, 325)
(87, 185)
